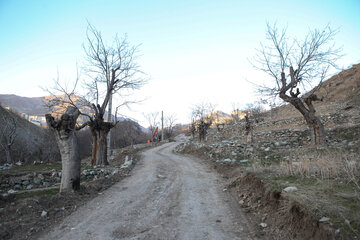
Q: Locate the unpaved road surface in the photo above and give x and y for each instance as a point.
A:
(167, 197)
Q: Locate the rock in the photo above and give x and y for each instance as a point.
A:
(228, 160)
(267, 149)
(277, 144)
(264, 225)
(233, 153)
(26, 182)
(11, 191)
(5, 195)
(19, 163)
(233, 160)
(44, 214)
(29, 187)
(244, 161)
(41, 176)
(37, 181)
(352, 163)
(313, 170)
(17, 186)
(160, 176)
(290, 189)
(46, 184)
(116, 171)
(241, 202)
(324, 219)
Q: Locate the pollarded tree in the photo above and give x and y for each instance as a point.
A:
(202, 113)
(112, 69)
(64, 129)
(297, 66)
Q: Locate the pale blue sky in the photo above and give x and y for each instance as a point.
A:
(184, 43)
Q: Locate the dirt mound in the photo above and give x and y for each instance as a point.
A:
(284, 217)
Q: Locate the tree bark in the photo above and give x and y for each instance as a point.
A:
(68, 146)
(317, 131)
(100, 131)
(8, 155)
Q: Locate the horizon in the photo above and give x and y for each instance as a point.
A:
(184, 46)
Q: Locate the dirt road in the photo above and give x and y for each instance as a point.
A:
(167, 197)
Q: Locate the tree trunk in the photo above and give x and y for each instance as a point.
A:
(315, 126)
(8, 155)
(71, 164)
(101, 155)
(94, 149)
(317, 130)
(68, 146)
(109, 118)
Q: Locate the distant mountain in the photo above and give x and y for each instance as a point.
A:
(35, 107)
(31, 106)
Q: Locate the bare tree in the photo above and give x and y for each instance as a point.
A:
(67, 142)
(8, 136)
(296, 67)
(169, 125)
(202, 114)
(153, 120)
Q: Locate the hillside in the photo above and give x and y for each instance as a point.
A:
(324, 200)
(31, 106)
(32, 143)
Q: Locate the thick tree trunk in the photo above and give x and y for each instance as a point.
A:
(8, 155)
(71, 164)
(101, 155)
(68, 146)
(317, 131)
(94, 149)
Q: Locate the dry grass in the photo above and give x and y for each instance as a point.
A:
(326, 164)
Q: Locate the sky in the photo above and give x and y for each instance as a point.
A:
(191, 51)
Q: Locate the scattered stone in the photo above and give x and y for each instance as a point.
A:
(43, 214)
(160, 176)
(225, 189)
(228, 160)
(26, 182)
(267, 149)
(37, 181)
(46, 184)
(5, 195)
(244, 161)
(41, 176)
(17, 187)
(218, 221)
(337, 231)
(29, 187)
(19, 163)
(290, 189)
(264, 225)
(11, 191)
(324, 219)
(241, 202)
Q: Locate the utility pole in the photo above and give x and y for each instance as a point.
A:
(162, 125)
(109, 118)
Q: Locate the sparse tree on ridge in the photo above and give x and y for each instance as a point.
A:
(296, 66)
